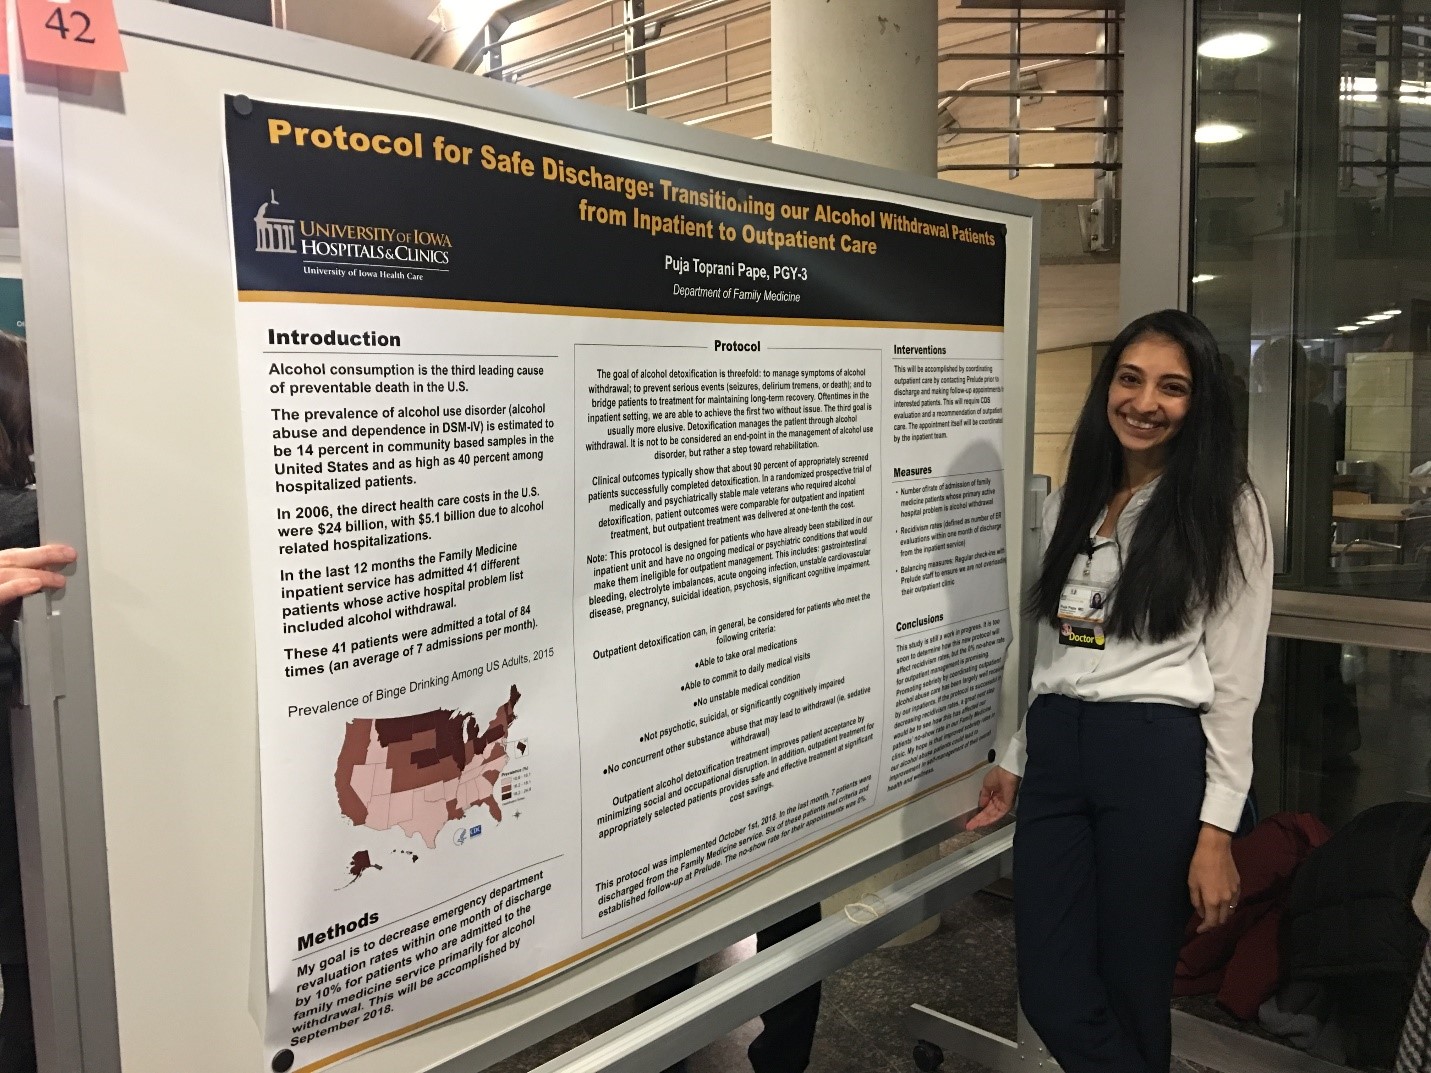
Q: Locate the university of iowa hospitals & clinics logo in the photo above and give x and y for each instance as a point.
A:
(273, 235)
(349, 249)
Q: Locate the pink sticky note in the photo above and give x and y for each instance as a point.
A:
(71, 33)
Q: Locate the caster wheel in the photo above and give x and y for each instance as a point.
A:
(927, 1056)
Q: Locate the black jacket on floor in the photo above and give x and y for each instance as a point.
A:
(1349, 924)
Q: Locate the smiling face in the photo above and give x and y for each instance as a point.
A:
(1149, 398)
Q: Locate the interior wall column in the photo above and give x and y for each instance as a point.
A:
(859, 79)
(856, 79)
(1158, 62)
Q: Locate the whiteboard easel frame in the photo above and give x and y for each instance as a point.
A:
(61, 798)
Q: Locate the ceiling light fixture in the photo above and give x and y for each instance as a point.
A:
(1392, 312)
(1203, 277)
(1217, 133)
(1234, 46)
(1348, 327)
(1378, 316)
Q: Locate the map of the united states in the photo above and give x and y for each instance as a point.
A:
(420, 772)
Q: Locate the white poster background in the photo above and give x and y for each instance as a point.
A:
(425, 931)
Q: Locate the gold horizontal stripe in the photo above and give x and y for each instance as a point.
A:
(307, 298)
(515, 985)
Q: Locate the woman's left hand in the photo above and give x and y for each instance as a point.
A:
(1213, 882)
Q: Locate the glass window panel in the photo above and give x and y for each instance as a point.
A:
(1312, 233)
(1343, 728)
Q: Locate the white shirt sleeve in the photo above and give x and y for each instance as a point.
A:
(1012, 758)
(1235, 640)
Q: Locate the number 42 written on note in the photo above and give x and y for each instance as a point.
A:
(71, 33)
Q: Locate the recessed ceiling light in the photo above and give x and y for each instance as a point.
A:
(1392, 312)
(1203, 277)
(1378, 316)
(1234, 46)
(1217, 133)
(1348, 327)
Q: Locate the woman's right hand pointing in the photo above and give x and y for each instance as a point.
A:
(995, 798)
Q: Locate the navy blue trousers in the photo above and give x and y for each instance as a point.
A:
(1107, 824)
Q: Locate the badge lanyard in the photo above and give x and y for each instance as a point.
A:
(1081, 606)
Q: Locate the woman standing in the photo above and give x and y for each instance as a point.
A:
(1136, 754)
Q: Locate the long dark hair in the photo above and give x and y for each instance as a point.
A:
(17, 442)
(1183, 554)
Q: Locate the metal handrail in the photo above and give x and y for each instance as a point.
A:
(1027, 68)
(673, 98)
(728, 114)
(615, 35)
(1067, 128)
(1040, 93)
(611, 34)
(1003, 20)
(635, 33)
(570, 16)
(745, 47)
(615, 57)
(956, 54)
(1079, 165)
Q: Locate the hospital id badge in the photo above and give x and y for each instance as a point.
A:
(1082, 602)
(1080, 616)
(1075, 633)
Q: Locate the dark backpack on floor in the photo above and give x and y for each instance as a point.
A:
(1349, 926)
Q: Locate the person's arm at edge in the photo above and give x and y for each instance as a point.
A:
(1235, 640)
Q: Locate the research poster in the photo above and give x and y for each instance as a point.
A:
(622, 522)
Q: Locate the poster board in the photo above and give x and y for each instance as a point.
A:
(138, 302)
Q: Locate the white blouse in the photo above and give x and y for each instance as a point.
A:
(1216, 665)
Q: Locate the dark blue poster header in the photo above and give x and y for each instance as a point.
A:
(336, 202)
